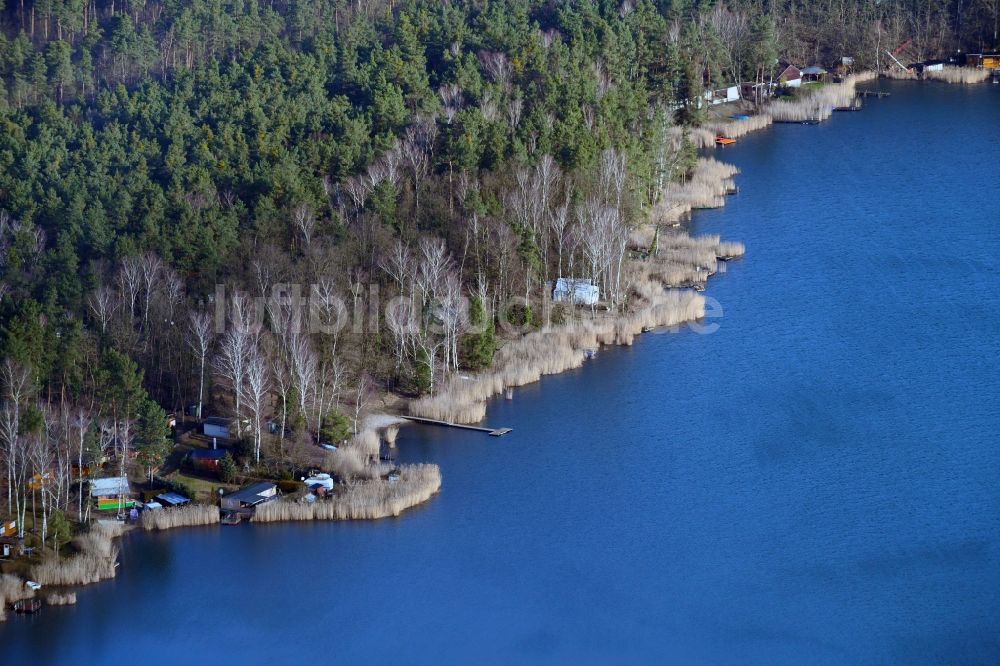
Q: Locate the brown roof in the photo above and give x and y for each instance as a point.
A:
(790, 73)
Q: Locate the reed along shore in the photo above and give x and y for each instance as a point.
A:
(180, 516)
(361, 499)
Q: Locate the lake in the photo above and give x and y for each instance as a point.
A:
(816, 482)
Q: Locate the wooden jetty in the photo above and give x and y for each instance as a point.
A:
(492, 432)
(231, 519)
(872, 93)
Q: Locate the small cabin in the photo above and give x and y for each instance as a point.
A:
(247, 498)
(172, 499)
(216, 426)
(722, 95)
(205, 460)
(984, 60)
(813, 73)
(790, 76)
(109, 487)
(112, 493)
(578, 291)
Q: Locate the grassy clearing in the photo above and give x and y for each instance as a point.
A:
(95, 559)
(180, 516)
(960, 75)
(204, 490)
(361, 499)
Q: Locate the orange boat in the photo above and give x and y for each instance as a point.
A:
(724, 140)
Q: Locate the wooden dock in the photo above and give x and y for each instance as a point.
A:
(872, 93)
(492, 432)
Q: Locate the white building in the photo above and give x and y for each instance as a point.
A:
(579, 291)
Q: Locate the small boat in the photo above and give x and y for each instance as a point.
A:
(589, 353)
(27, 605)
(231, 519)
(647, 329)
(724, 141)
(32, 585)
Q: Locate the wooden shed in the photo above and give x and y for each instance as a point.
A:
(984, 60)
(247, 498)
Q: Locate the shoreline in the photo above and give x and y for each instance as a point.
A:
(664, 292)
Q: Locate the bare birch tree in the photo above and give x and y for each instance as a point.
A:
(257, 389)
(200, 335)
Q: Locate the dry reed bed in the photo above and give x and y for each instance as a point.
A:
(735, 129)
(180, 516)
(701, 137)
(361, 500)
(95, 559)
(706, 188)
(820, 103)
(346, 463)
(61, 599)
(961, 75)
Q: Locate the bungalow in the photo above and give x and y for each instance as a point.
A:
(790, 76)
(249, 497)
(578, 291)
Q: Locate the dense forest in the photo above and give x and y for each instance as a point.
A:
(154, 152)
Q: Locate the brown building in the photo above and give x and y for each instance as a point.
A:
(984, 60)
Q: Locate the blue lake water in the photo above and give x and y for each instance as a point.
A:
(816, 482)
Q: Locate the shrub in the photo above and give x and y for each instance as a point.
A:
(336, 427)
(227, 469)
